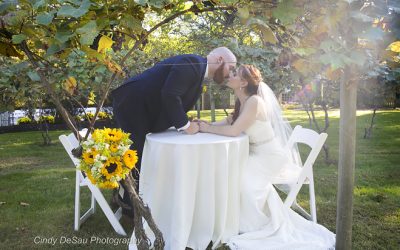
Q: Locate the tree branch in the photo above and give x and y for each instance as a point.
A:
(64, 113)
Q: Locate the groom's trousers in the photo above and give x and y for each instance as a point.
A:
(133, 119)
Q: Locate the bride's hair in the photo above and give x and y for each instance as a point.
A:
(253, 76)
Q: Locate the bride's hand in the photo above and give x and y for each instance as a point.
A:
(204, 127)
(201, 121)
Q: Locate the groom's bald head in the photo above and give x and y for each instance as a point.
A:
(220, 60)
(225, 53)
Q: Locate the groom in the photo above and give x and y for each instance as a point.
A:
(159, 98)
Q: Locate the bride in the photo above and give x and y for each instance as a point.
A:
(265, 223)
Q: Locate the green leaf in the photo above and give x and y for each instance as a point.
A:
(103, 23)
(328, 45)
(17, 39)
(286, 12)
(33, 75)
(63, 36)
(141, 2)
(39, 4)
(7, 5)
(131, 23)
(88, 33)
(332, 59)
(45, 18)
(16, 18)
(373, 34)
(54, 48)
(361, 17)
(358, 58)
(243, 13)
(157, 3)
(267, 33)
(304, 51)
(7, 49)
(22, 66)
(68, 10)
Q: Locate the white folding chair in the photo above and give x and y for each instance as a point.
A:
(305, 176)
(70, 142)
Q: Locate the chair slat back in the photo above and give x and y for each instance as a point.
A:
(308, 137)
(70, 142)
(303, 135)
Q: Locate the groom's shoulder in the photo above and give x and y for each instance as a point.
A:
(186, 57)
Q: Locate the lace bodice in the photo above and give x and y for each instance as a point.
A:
(260, 131)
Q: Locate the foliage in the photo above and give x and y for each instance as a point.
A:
(46, 119)
(89, 115)
(19, 87)
(104, 115)
(24, 120)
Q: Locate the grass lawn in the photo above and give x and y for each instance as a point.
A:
(44, 178)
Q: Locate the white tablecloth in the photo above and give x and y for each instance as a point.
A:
(191, 184)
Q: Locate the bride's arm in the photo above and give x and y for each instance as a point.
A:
(244, 121)
(226, 121)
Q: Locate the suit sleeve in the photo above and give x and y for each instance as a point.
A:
(180, 79)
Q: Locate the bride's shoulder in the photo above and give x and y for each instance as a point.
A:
(255, 99)
(253, 102)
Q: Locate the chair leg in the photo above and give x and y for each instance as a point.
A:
(107, 210)
(300, 210)
(77, 202)
(313, 207)
(93, 204)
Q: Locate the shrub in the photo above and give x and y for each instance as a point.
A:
(85, 117)
(103, 115)
(46, 118)
(24, 120)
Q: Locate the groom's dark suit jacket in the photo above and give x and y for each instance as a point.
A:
(159, 97)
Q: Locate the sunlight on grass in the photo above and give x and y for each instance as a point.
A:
(393, 217)
(17, 162)
(370, 191)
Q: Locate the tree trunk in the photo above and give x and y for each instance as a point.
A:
(368, 131)
(324, 130)
(347, 143)
(44, 128)
(142, 211)
(306, 108)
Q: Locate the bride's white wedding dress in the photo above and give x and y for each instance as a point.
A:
(265, 223)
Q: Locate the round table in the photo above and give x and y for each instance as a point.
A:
(192, 185)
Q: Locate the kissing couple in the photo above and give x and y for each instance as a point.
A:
(160, 97)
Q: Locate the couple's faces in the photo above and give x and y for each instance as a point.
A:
(234, 80)
(222, 73)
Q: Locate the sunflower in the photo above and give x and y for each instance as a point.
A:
(113, 167)
(130, 158)
(109, 184)
(113, 148)
(113, 135)
(88, 156)
(90, 177)
(96, 135)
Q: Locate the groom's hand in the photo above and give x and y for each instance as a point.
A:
(193, 128)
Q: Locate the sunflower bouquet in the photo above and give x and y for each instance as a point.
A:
(106, 157)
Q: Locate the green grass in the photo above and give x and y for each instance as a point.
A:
(44, 178)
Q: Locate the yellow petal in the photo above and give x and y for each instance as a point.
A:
(395, 46)
(70, 84)
(104, 44)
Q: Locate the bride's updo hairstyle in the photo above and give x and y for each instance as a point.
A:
(253, 77)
